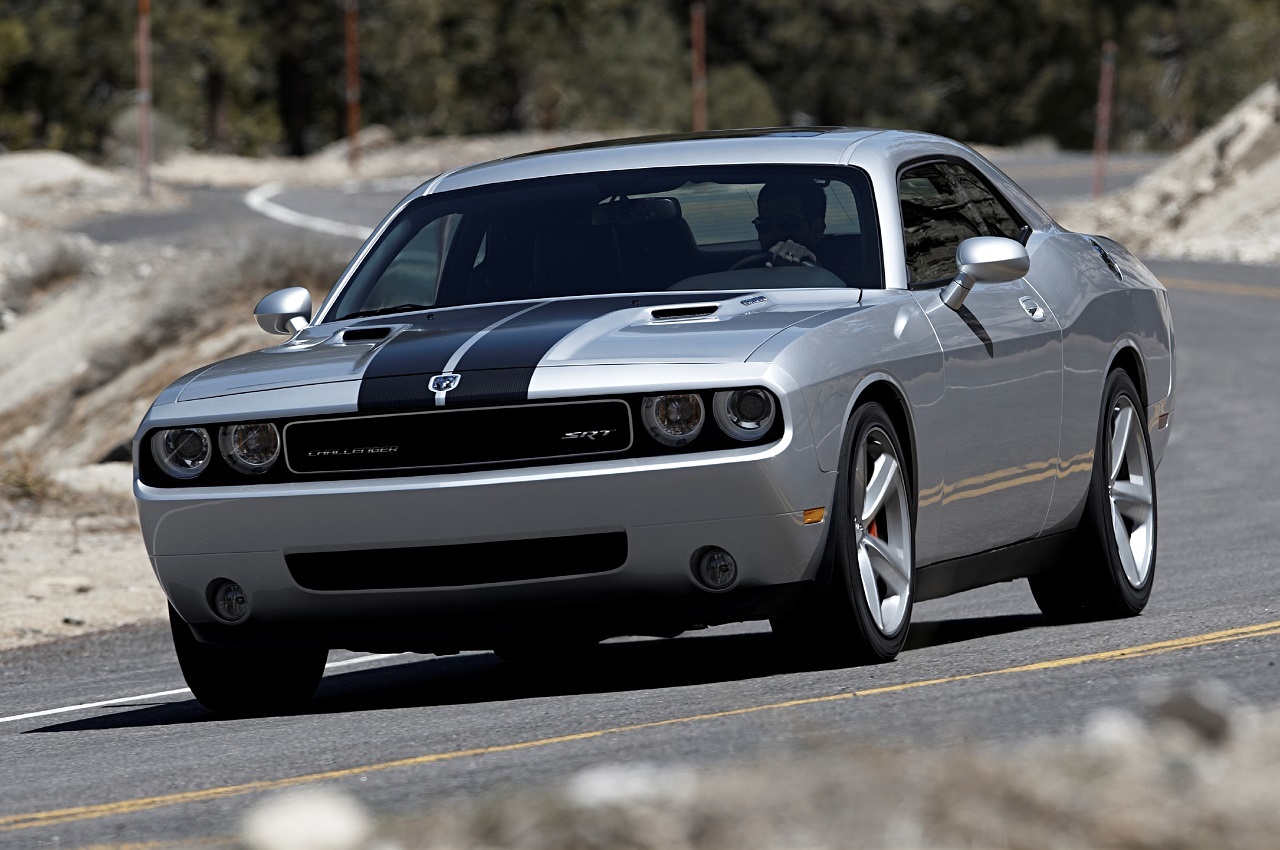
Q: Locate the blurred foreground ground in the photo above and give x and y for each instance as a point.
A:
(1195, 770)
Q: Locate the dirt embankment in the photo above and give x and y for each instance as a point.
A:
(1217, 199)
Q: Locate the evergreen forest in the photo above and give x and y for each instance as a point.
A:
(255, 78)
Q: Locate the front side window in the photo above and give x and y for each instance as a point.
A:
(995, 212)
(936, 218)
(617, 233)
(943, 204)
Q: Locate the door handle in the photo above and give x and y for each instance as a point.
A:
(1034, 310)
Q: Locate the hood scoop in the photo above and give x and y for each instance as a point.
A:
(364, 334)
(693, 311)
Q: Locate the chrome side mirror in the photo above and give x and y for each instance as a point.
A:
(285, 311)
(985, 259)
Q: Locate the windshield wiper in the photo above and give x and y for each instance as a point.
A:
(382, 311)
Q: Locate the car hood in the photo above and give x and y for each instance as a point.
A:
(514, 339)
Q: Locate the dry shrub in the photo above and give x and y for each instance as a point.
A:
(271, 264)
(23, 479)
(40, 265)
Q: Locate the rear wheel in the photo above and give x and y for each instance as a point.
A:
(864, 612)
(1109, 568)
(240, 682)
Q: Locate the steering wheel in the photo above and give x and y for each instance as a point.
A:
(766, 259)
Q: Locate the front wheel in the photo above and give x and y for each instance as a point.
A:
(1109, 569)
(243, 682)
(864, 612)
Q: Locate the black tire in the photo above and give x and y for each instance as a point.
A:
(241, 682)
(858, 616)
(1107, 573)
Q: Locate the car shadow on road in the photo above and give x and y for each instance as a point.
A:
(619, 667)
(942, 632)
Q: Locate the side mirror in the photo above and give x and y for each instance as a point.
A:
(285, 311)
(985, 259)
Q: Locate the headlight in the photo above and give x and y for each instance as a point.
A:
(672, 420)
(182, 452)
(250, 449)
(744, 414)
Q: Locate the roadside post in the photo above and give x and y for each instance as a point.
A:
(698, 44)
(144, 96)
(352, 44)
(1102, 122)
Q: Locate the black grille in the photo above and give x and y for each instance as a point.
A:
(458, 438)
(461, 564)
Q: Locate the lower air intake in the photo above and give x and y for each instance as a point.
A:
(459, 565)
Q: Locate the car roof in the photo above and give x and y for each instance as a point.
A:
(771, 145)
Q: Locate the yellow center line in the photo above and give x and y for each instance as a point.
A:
(1222, 288)
(9, 823)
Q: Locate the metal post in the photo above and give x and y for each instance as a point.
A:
(353, 83)
(1102, 125)
(698, 41)
(144, 96)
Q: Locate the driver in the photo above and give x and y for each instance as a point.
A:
(792, 218)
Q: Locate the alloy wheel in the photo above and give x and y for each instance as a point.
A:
(1130, 492)
(882, 531)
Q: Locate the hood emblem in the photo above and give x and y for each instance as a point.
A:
(444, 383)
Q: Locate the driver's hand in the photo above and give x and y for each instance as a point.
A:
(790, 253)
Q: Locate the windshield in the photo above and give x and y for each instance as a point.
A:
(622, 232)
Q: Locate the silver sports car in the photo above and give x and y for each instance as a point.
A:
(634, 388)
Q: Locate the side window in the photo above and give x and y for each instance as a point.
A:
(996, 214)
(936, 218)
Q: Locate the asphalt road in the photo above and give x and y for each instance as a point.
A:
(404, 731)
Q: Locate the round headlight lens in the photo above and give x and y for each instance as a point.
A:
(745, 414)
(250, 449)
(182, 452)
(672, 420)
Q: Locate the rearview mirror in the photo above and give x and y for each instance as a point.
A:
(635, 210)
(285, 311)
(985, 259)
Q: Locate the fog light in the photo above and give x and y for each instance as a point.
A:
(714, 568)
(228, 600)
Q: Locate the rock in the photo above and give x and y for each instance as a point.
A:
(307, 819)
(1204, 708)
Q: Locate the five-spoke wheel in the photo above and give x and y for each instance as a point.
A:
(1108, 569)
(862, 613)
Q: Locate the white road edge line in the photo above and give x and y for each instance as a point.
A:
(363, 659)
(259, 200)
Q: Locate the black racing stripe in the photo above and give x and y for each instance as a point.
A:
(395, 392)
(425, 348)
(491, 386)
(396, 378)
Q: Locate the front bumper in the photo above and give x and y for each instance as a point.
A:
(748, 501)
